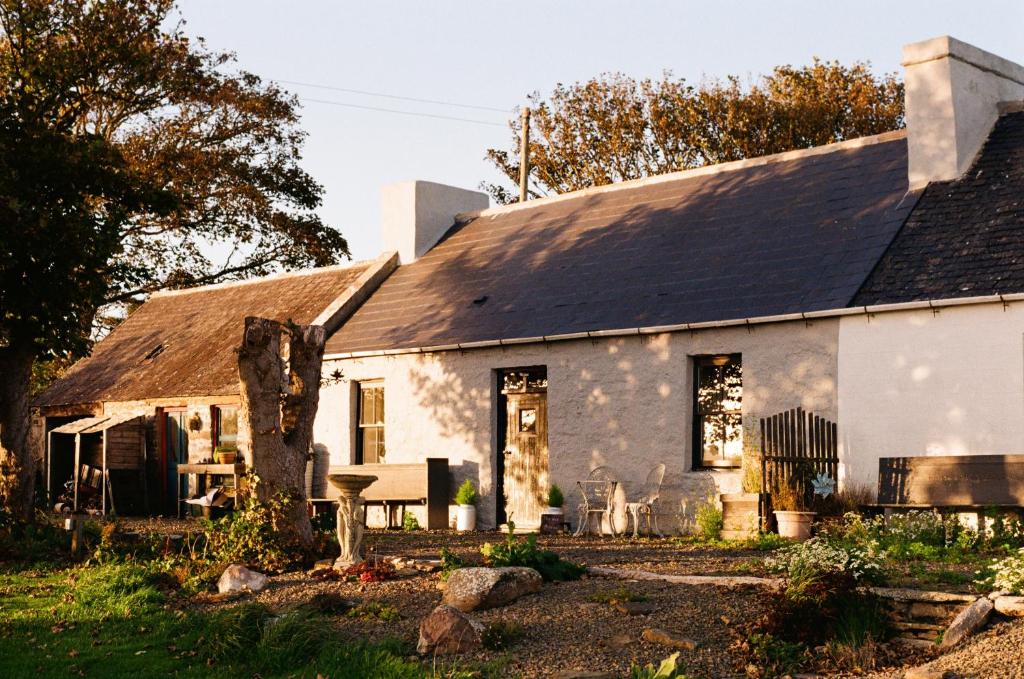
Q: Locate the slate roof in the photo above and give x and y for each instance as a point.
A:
(965, 238)
(797, 232)
(181, 343)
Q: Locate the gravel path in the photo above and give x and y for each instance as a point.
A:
(996, 653)
(562, 628)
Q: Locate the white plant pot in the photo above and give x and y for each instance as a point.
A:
(465, 518)
(794, 525)
(555, 511)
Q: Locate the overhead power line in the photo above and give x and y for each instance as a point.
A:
(436, 102)
(417, 114)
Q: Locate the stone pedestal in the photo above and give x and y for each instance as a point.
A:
(350, 516)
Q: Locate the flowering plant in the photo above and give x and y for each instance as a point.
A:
(1007, 574)
(817, 557)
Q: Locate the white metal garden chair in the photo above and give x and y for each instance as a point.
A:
(597, 493)
(646, 505)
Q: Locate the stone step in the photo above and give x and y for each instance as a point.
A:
(918, 626)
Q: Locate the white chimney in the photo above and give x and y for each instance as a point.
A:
(953, 92)
(415, 215)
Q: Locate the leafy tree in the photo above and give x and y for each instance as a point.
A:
(131, 159)
(613, 128)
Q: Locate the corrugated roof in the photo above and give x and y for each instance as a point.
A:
(965, 238)
(93, 425)
(181, 343)
(799, 234)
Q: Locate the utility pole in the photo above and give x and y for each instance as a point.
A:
(524, 155)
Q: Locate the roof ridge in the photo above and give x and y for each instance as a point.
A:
(717, 168)
(263, 279)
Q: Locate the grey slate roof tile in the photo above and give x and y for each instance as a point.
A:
(789, 236)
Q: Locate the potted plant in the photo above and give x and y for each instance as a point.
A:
(225, 455)
(791, 515)
(465, 498)
(556, 500)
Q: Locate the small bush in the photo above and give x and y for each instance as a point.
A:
(410, 522)
(248, 536)
(515, 552)
(450, 561)
(555, 496)
(620, 593)
(371, 570)
(374, 610)
(774, 655)
(709, 520)
(666, 670)
(466, 494)
(499, 635)
(807, 562)
(1007, 574)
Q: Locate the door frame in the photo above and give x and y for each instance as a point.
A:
(161, 432)
(500, 419)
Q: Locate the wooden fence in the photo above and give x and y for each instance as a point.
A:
(796, 447)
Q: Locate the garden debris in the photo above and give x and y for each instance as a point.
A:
(238, 578)
(663, 638)
(970, 620)
(448, 631)
(471, 589)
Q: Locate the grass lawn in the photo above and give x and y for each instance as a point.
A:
(114, 621)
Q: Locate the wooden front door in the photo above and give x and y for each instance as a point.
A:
(526, 457)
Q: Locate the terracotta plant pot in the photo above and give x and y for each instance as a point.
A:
(794, 525)
(465, 518)
(226, 458)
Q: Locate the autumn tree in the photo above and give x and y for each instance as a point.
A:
(614, 128)
(132, 158)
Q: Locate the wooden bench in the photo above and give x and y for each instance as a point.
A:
(968, 483)
(399, 485)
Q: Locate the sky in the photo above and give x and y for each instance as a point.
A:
(489, 54)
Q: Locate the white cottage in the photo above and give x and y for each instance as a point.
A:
(876, 282)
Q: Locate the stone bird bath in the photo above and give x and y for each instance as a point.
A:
(350, 516)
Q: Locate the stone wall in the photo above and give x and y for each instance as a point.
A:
(625, 402)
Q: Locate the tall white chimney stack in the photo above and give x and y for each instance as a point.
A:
(953, 92)
(415, 215)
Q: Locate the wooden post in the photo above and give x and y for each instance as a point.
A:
(78, 461)
(103, 485)
(524, 155)
(49, 466)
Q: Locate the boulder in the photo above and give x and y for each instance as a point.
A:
(663, 638)
(1012, 606)
(925, 672)
(635, 607)
(471, 589)
(448, 631)
(967, 622)
(238, 578)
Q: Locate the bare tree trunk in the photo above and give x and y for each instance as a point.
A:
(17, 464)
(279, 370)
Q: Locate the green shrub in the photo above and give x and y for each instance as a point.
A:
(450, 561)
(466, 494)
(619, 593)
(775, 656)
(248, 537)
(666, 670)
(709, 520)
(410, 522)
(515, 552)
(806, 563)
(501, 634)
(374, 610)
(555, 496)
(1007, 574)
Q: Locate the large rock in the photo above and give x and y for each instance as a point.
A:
(967, 622)
(471, 589)
(238, 578)
(448, 631)
(1012, 606)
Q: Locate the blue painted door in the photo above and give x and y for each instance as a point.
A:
(175, 453)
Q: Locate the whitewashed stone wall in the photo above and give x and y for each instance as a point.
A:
(622, 402)
(924, 382)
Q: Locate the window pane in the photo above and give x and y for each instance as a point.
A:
(369, 445)
(365, 406)
(378, 405)
(380, 445)
(227, 427)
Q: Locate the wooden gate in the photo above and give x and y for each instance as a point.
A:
(796, 447)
